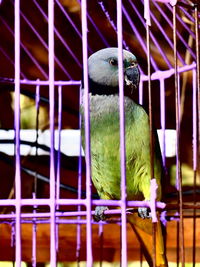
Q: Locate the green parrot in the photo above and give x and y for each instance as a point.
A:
(105, 144)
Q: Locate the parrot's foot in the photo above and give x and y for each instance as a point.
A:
(99, 213)
(144, 213)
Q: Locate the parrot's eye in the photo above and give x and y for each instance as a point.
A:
(113, 62)
(133, 64)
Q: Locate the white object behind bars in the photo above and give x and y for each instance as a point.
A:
(70, 142)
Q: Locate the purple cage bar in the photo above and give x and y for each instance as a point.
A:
(51, 115)
(17, 137)
(122, 135)
(87, 133)
(54, 217)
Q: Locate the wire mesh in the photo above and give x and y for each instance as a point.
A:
(43, 49)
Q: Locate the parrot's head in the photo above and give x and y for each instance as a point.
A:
(103, 71)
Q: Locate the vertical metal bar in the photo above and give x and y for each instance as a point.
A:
(141, 90)
(122, 134)
(185, 75)
(101, 241)
(196, 12)
(34, 241)
(150, 99)
(58, 158)
(78, 231)
(34, 236)
(148, 24)
(34, 225)
(78, 239)
(194, 130)
(196, 119)
(12, 240)
(37, 106)
(162, 111)
(151, 136)
(177, 243)
(17, 136)
(87, 133)
(59, 141)
(178, 164)
(52, 134)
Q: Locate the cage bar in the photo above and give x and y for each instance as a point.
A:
(152, 186)
(87, 132)
(51, 115)
(179, 174)
(17, 138)
(52, 81)
(122, 134)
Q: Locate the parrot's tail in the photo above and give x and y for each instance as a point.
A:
(143, 230)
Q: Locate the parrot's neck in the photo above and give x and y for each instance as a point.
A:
(99, 89)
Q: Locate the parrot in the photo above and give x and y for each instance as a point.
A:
(105, 144)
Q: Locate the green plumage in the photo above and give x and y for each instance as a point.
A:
(105, 149)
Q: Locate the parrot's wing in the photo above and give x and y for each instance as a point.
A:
(143, 231)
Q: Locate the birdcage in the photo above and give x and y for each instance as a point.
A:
(47, 199)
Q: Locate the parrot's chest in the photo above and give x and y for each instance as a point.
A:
(105, 147)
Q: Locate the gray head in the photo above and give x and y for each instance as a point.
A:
(103, 68)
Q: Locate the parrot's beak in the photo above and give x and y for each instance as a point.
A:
(132, 77)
